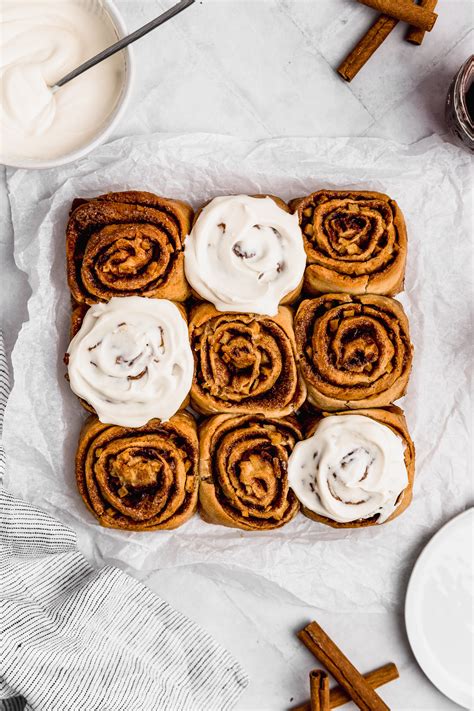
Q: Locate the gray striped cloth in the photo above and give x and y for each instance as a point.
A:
(74, 638)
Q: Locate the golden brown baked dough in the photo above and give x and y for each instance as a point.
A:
(356, 242)
(139, 479)
(127, 244)
(243, 469)
(355, 351)
(244, 363)
(394, 418)
(78, 311)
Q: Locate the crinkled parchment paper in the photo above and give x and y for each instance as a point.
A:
(335, 570)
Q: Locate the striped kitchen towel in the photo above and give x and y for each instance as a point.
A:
(75, 638)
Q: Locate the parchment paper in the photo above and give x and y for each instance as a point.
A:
(335, 570)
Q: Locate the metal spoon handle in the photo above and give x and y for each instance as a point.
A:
(124, 42)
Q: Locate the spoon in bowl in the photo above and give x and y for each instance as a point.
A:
(124, 42)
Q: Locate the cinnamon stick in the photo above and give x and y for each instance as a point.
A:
(338, 697)
(335, 661)
(414, 35)
(366, 46)
(319, 686)
(405, 11)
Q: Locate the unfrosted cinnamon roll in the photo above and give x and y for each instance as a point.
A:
(355, 351)
(355, 469)
(243, 469)
(139, 479)
(131, 361)
(356, 242)
(245, 254)
(127, 244)
(244, 363)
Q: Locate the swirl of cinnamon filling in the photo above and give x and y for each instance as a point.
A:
(244, 363)
(139, 479)
(356, 242)
(127, 244)
(355, 351)
(243, 467)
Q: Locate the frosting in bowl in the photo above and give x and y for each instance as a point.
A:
(40, 42)
(245, 254)
(131, 360)
(351, 468)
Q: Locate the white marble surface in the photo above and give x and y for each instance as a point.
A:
(260, 68)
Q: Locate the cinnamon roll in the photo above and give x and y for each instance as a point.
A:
(245, 254)
(243, 469)
(131, 361)
(356, 242)
(140, 479)
(127, 244)
(244, 363)
(355, 351)
(355, 469)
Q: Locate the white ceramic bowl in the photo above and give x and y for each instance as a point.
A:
(105, 129)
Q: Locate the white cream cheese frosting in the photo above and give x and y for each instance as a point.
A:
(245, 254)
(131, 360)
(351, 468)
(40, 42)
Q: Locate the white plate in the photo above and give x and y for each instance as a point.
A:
(439, 609)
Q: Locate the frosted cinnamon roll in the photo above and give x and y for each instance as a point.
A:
(244, 363)
(245, 254)
(356, 242)
(139, 479)
(127, 244)
(131, 360)
(243, 468)
(355, 469)
(355, 351)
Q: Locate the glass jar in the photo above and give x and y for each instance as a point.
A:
(460, 105)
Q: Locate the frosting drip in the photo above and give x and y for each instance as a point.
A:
(245, 254)
(131, 360)
(351, 468)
